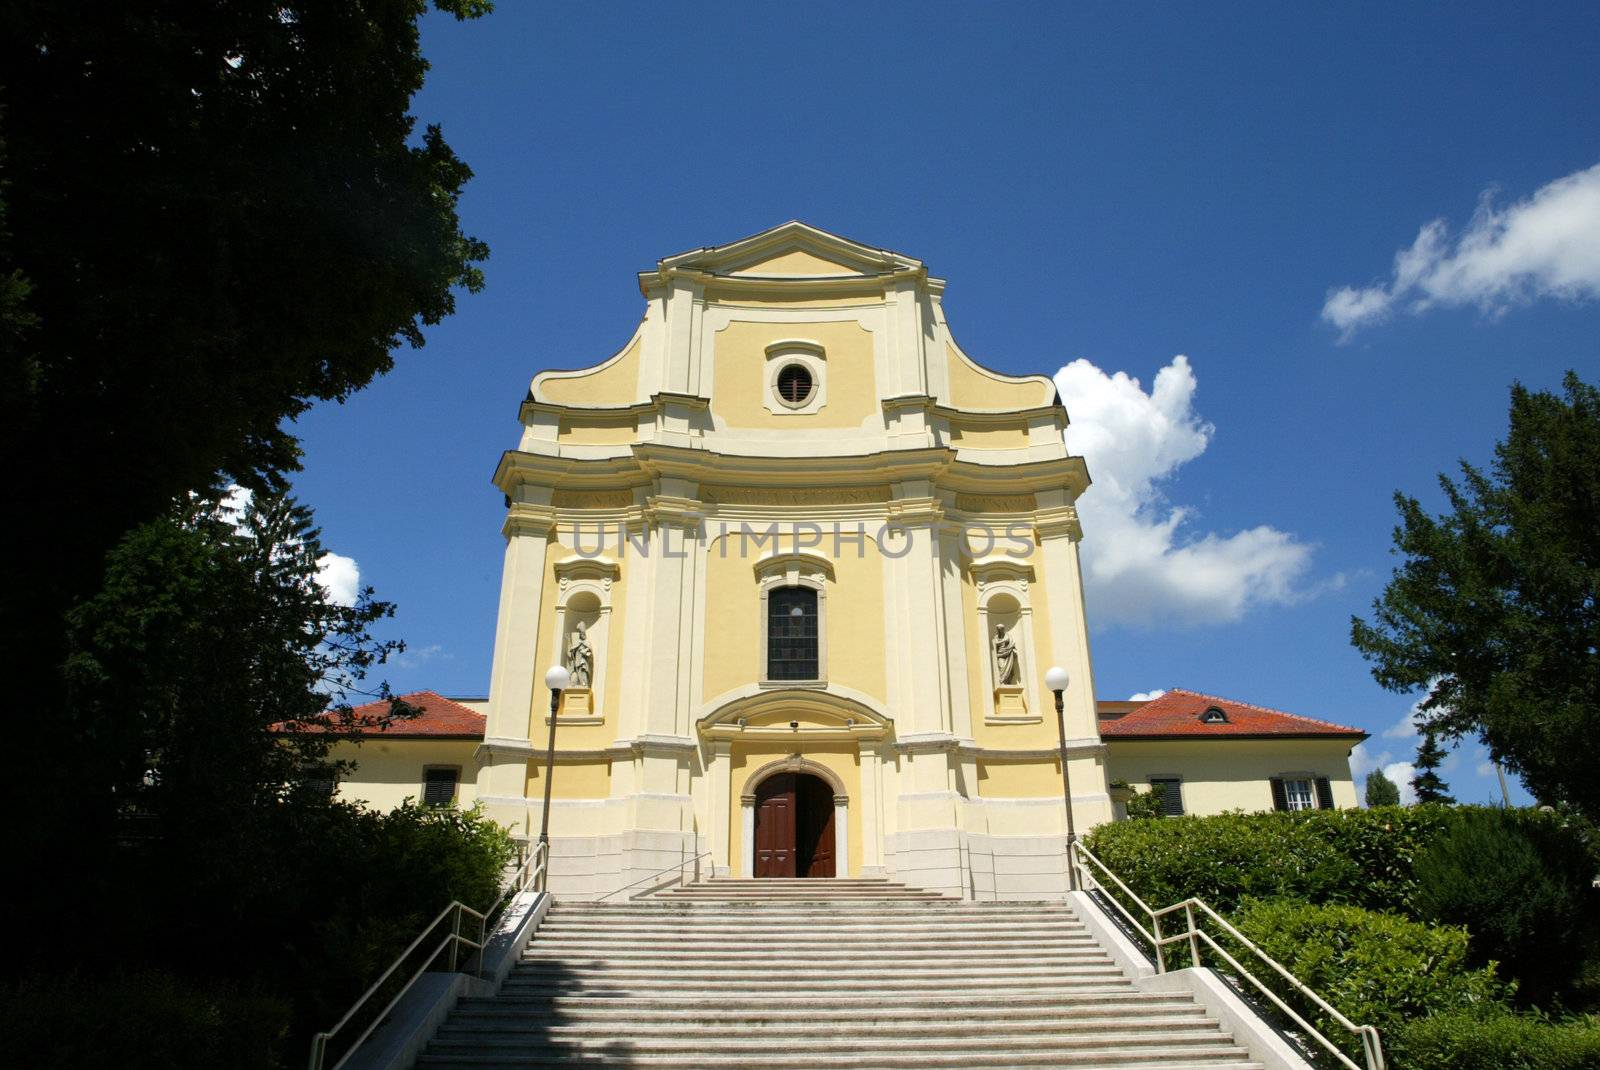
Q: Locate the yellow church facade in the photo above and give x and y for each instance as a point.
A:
(808, 563)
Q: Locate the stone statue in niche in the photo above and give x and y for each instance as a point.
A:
(1007, 662)
(580, 656)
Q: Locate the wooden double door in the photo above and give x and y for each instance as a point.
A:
(794, 827)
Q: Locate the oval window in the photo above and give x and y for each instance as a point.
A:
(795, 384)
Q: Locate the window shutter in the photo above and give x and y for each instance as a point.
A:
(1171, 792)
(1324, 794)
(1280, 798)
(439, 787)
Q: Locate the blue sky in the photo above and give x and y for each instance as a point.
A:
(1113, 185)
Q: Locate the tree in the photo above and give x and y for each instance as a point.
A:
(1425, 779)
(1381, 791)
(1495, 610)
(202, 673)
(215, 215)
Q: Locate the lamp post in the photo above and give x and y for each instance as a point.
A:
(556, 679)
(1056, 679)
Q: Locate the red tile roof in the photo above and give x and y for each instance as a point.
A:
(440, 719)
(1177, 715)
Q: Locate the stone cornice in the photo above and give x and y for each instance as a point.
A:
(525, 519)
(1056, 522)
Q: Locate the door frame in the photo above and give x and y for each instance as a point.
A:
(841, 812)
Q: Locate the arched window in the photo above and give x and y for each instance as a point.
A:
(792, 634)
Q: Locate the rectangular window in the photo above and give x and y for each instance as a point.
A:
(792, 633)
(1170, 789)
(1297, 795)
(439, 786)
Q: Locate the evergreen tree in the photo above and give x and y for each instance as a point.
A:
(1381, 791)
(1495, 610)
(1429, 786)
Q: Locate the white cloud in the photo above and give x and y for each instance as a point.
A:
(339, 578)
(1545, 246)
(1143, 563)
(1148, 696)
(1400, 773)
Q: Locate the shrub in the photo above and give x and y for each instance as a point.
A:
(1144, 804)
(1473, 1040)
(1361, 857)
(1378, 969)
(1522, 885)
(143, 1021)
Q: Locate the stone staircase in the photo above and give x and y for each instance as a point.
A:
(824, 975)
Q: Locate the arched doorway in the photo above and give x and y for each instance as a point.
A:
(794, 833)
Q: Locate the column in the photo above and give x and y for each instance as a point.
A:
(841, 836)
(515, 670)
(747, 841)
(718, 766)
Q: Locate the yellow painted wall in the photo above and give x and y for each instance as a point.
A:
(796, 262)
(972, 387)
(615, 381)
(589, 779)
(747, 759)
(809, 298)
(609, 430)
(1036, 778)
(388, 771)
(855, 642)
(988, 436)
(739, 383)
(1221, 775)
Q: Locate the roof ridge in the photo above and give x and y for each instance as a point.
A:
(1254, 706)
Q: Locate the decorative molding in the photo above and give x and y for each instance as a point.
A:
(995, 503)
(858, 495)
(795, 763)
(592, 499)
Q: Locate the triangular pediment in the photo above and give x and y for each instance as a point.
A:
(793, 250)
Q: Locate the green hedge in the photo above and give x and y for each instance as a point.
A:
(1361, 857)
(1378, 969)
(1479, 1040)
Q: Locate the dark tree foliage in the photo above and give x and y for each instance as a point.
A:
(1425, 780)
(1496, 608)
(214, 216)
(1381, 791)
(209, 631)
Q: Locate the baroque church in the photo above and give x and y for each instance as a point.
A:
(807, 563)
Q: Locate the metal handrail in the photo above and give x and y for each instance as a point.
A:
(533, 870)
(453, 941)
(1371, 1043)
(657, 873)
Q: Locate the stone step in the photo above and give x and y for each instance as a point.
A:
(1122, 997)
(802, 924)
(780, 936)
(784, 973)
(997, 1057)
(730, 974)
(951, 910)
(802, 1030)
(698, 955)
(817, 991)
(862, 1044)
